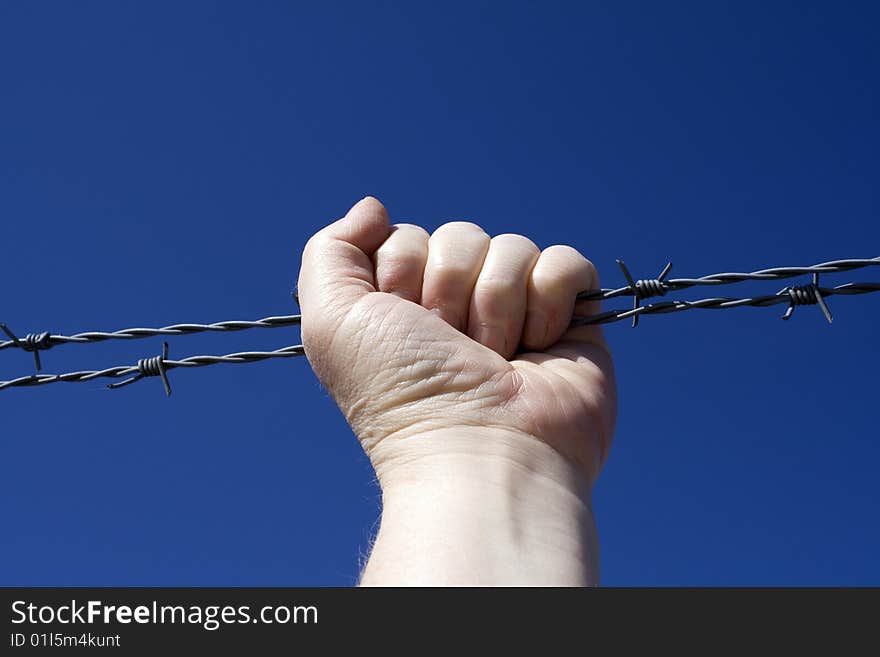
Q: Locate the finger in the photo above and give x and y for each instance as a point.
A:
(337, 268)
(559, 275)
(498, 303)
(400, 262)
(455, 255)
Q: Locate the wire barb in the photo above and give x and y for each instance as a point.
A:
(644, 289)
(154, 366)
(32, 342)
(719, 303)
(726, 278)
(796, 295)
(120, 371)
(806, 295)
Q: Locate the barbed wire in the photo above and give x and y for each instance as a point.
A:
(639, 290)
(722, 303)
(155, 366)
(36, 341)
(726, 278)
(657, 287)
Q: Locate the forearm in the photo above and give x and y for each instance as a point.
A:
(493, 508)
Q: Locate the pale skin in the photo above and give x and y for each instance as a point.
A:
(486, 417)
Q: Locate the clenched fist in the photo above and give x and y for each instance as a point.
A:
(452, 358)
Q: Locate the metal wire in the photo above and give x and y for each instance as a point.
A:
(722, 303)
(174, 329)
(128, 370)
(639, 290)
(774, 274)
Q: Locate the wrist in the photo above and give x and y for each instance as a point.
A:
(481, 506)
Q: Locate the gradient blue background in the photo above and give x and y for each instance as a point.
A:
(166, 162)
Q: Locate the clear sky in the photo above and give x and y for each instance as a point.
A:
(165, 162)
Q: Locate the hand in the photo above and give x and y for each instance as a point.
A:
(422, 339)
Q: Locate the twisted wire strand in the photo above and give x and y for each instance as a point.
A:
(726, 278)
(129, 370)
(174, 329)
(638, 289)
(722, 303)
(718, 303)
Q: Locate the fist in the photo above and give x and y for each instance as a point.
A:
(422, 337)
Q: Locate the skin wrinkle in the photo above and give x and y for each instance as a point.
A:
(401, 272)
(445, 408)
(474, 395)
(558, 401)
(360, 316)
(485, 463)
(441, 376)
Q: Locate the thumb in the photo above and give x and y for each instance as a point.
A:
(337, 266)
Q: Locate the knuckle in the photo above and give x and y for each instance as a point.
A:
(521, 242)
(397, 252)
(465, 227)
(563, 261)
(410, 228)
(401, 251)
(395, 270)
(563, 251)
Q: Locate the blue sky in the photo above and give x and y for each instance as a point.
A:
(166, 162)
